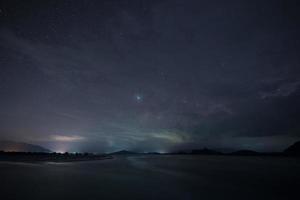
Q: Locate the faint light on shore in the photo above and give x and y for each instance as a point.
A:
(61, 152)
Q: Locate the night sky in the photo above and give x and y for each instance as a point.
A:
(150, 75)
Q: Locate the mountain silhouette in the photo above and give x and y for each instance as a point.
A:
(10, 146)
(123, 152)
(293, 149)
(245, 153)
(205, 151)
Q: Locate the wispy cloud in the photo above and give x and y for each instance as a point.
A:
(65, 138)
(283, 90)
(169, 136)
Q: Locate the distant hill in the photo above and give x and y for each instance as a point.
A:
(10, 146)
(153, 153)
(293, 149)
(245, 153)
(123, 152)
(204, 151)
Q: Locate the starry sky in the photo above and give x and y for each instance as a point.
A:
(150, 75)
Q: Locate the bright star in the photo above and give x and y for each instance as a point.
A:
(138, 97)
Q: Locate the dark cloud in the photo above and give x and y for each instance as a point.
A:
(150, 75)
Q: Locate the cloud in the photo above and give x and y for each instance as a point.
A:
(283, 90)
(169, 136)
(199, 83)
(65, 65)
(65, 138)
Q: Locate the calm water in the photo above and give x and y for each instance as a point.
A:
(154, 177)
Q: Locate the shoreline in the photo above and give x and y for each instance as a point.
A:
(24, 157)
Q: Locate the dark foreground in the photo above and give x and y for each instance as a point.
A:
(154, 177)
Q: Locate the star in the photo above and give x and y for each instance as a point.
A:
(138, 97)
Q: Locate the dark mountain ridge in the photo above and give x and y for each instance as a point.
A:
(11, 146)
(293, 149)
(123, 152)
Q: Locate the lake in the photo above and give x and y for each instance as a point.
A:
(154, 177)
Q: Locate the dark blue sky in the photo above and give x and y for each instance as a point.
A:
(150, 75)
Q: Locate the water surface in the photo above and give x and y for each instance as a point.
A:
(154, 177)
